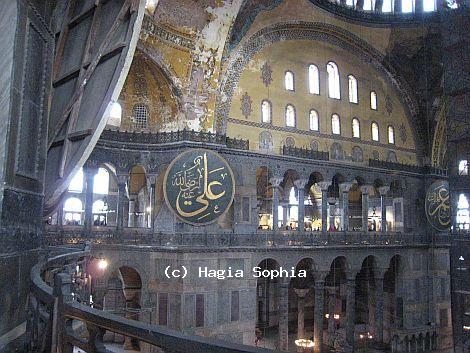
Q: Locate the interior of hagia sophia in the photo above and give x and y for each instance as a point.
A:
(342, 125)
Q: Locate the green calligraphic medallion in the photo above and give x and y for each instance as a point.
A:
(199, 186)
(438, 205)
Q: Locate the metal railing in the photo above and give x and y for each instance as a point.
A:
(305, 153)
(173, 137)
(258, 239)
(59, 322)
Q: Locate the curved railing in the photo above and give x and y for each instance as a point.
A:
(55, 308)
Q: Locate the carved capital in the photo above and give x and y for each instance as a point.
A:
(383, 190)
(345, 187)
(151, 179)
(324, 185)
(301, 292)
(365, 189)
(300, 183)
(276, 181)
(122, 178)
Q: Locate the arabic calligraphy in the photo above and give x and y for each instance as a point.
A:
(199, 186)
(437, 205)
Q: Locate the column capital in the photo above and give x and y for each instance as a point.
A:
(344, 187)
(365, 189)
(301, 292)
(300, 183)
(151, 179)
(276, 181)
(324, 185)
(122, 178)
(383, 190)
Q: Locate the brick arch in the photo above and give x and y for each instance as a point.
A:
(298, 30)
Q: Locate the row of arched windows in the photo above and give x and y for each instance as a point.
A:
(314, 124)
(334, 89)
(388, 6)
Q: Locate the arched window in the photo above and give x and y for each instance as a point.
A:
(463, 167)
(101, 182)
(357, 155)
(356, 128)
(387, 6)
(116, 111)
(392, 157)
(99, 207)
(463, 212)
(374, 131)
(313, 79)
(266, 111)
(73, 211)
(352, 89)
(335, 124)
(76, 184)
(333, 80)
(289, 81)
(373, 100)
(407, 6)
(391, 134)
(429, 5)
(313, 121)
(290, 115)
(140, 115)
(368, 5)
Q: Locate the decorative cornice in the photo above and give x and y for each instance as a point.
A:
(174, 38)
(267, 126)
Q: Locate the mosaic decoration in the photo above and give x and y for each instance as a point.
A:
(314, 145)
(437, 205)
(290, 142)
(246, 105)
(375, 155)
(266, 74)
(265, 140)
(402, 133)
(357, 154)
(388, 104)
(199, 186)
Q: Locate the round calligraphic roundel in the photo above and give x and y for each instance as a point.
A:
(437, 205)
(199, 186)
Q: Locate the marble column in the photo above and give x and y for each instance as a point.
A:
(132, 215)
(350, 309)
(300, 185)
(89, 174)
(383, 192)
(365, 207)
(419, 6)
(284, 314)
(344, 189)
(275, 182)
(151, 182)
(318, 316)
(331, 314)
(285, 206)
(379, 300)
(122, 181)
(301, 293)
(332, 205)
(324, 185)
(397, 6)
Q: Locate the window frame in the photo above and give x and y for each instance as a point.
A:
(359, 127)
(351, 76)
(339, 124)
(310, 120)
(328, 80)
(376, 100)
(270, 111)
(372, 131)
(388, 134)
(285, 115)
(309, 81)
(293, 81)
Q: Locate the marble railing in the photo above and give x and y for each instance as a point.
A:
(305, 153)
(61, 313)
(407, 167)
(261, 238)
